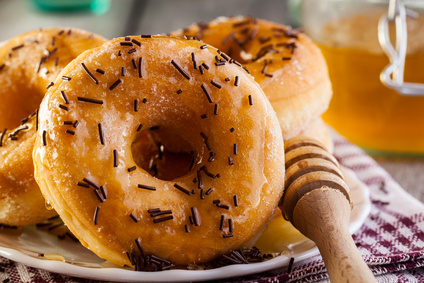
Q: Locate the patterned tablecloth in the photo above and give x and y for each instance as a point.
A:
(391, 240)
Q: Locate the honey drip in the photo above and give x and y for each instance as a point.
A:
(48, 205)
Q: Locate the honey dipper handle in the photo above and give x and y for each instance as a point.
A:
(317, 202)
(323, 216)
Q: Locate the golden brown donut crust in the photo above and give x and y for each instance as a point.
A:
(287, 64)
(20, 199)
(24, 76)
(29, 62)
(63, 159)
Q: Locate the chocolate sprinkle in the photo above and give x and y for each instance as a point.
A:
(134, 217)
(99, 195)
(2, 136)
(138, 43)
(162, 212)
(236, 202)
(209, 191)
(215, 84)
(146, 187)
(224, 206)
(94, 185)
(132, 50)
(70, 132)
(44, 138)
(50, 85)
(199, 180)
(205, 66)
(140, 67)
(115, 158)
(36, 120)
(126, 43)
(182, 189)
(221, 223)
(204, 46)
(132, 168)
(123, 71)
(215, 110)
(179, 91)
(102, 141)
(100, 71)
(230, 225)
(178, 67)
(139, 127)
(90, 100)
(81, 184)
(289, 269)
(195, 214)
(236, 81)
(250, 100)
(187, 228)
(63, 107)
(211, 156)
(89, 73)
(65, 98)
(96, 215)
(230, 161)
(115, 84)
(157, 220)
(17, 47)
(65, 78)
(134, 63)
(136, 105)
(208, 96)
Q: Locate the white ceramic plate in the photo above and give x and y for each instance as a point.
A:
(24, 245)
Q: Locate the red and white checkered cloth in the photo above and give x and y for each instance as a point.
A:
(391, 240)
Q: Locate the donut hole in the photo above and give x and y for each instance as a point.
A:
(163, 154)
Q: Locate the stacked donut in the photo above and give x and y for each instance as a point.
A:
(157, 151)
(28, 65)
(288, 66)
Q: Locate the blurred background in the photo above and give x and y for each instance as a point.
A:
(115, 18)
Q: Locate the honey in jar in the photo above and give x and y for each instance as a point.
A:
(362, 109)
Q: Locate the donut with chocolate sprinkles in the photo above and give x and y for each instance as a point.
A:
(286, 63)
(32, 65)
(105, 150)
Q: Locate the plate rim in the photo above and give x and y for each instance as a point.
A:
(179, 275)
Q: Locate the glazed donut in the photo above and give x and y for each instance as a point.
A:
(28, 63)
(287, 64)
(220, 202)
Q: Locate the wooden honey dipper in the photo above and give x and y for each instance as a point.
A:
(316, 201)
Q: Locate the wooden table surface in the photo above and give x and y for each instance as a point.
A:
(126, 17)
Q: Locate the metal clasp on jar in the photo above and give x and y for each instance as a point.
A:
(392, 75)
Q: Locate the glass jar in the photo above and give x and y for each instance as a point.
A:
(363, 109)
